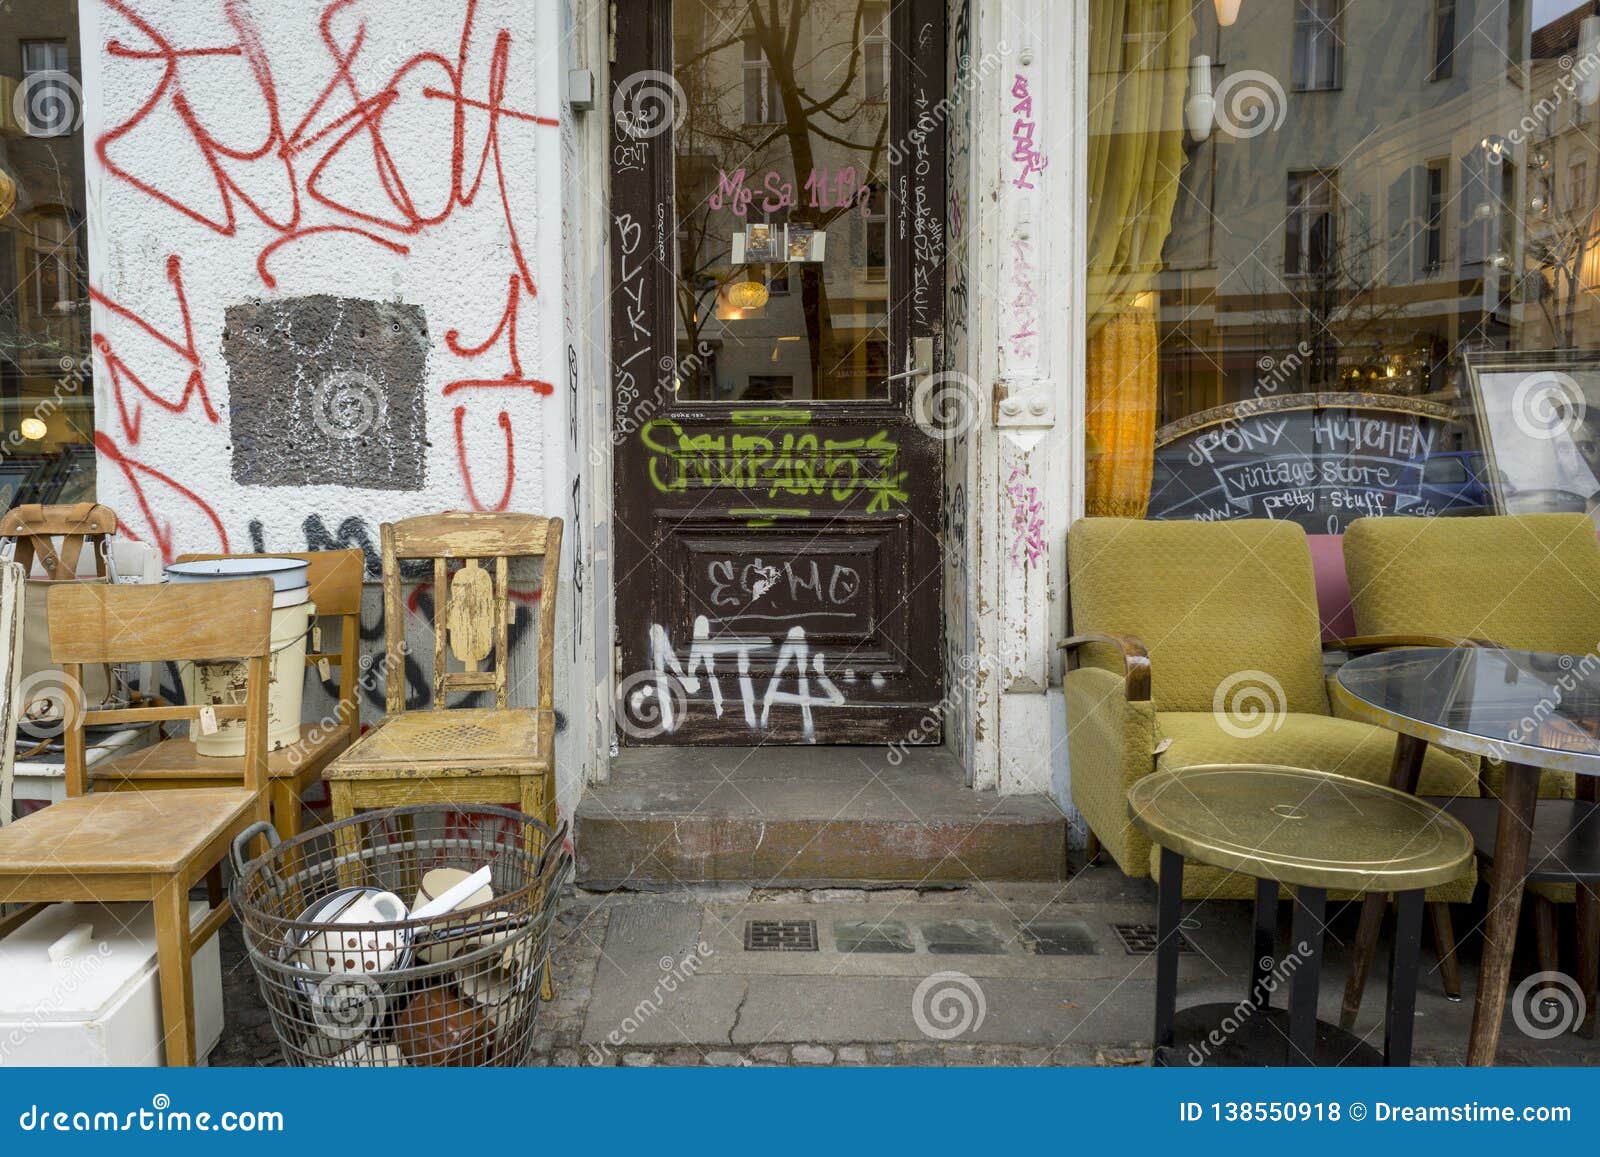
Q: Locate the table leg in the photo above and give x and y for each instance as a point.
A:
(1405, 771)
(1403, 961)
(1518, 797)
(1310, 911)
(1265, 942)
(1169, 911)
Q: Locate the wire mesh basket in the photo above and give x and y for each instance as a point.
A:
(351, 980)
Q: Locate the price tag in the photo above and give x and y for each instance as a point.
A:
(208, 720)
(324, 669)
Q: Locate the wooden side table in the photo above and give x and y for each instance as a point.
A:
(1314, 832)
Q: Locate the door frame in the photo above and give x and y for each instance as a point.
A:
(641, 273)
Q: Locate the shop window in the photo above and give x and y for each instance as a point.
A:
(877, 228)
(46, 371)
(1318, 45)
(1386, 303)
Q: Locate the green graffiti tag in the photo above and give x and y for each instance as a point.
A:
(795, 465)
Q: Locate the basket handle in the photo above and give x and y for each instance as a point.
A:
(242, 840)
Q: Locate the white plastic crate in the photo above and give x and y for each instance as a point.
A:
(71, 998)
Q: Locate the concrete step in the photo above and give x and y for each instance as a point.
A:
(808, 816)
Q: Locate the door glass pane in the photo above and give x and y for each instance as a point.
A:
(782, 195)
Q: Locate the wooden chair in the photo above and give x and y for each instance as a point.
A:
(335, 581)
(12, 582)
(463, 754)
(148, 846)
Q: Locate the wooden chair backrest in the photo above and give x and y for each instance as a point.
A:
(56, 536)
(472, 609)
(110, 623)
(13, 582)
(335, 578)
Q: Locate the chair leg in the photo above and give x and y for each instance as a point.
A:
(285, 808)
(171, 907)
(532, 803)
(1444, 941)
(1588, 952)
(1544, 928)
(1362, 951)
(216, 894)
(341, 798)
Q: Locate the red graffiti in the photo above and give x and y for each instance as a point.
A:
(466, 471)
(142, 480)
(302, 178)
(122, 375)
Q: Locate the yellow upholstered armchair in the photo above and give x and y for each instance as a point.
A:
(1530, 582)
(1196, 643)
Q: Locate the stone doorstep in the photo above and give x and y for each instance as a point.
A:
(807, 816)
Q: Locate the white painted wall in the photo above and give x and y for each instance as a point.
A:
(470, 202)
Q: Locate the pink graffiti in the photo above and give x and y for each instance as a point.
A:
(1024, 299)
(1027, 519)
(1022, 132)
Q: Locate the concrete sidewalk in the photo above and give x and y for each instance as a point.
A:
(1031, 974)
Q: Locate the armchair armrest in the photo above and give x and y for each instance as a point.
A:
(1135, 660)
(1360, 644)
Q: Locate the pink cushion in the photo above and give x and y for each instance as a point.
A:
(1333, 587)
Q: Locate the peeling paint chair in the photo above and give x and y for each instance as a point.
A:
(1199, 643)
(1529, 582)
(442, 754)
(334, 577)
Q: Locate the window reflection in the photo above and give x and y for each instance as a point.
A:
(46, 394)
(782, 200)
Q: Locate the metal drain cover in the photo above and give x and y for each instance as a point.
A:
(1142, 939)
(780, 935)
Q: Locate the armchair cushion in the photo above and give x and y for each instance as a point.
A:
(1209, 600)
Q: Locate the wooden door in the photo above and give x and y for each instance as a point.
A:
(777, 273)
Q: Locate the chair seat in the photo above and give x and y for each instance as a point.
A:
(180, 760)
(1321, 742)
(152, 832)
(454, 741)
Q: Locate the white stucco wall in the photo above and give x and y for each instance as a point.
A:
(268, 151)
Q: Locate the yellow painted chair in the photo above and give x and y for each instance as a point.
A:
(1530, 582)
(1199, 643)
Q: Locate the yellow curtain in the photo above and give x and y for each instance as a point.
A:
(1138, 77)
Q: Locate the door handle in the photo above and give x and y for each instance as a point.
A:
(921, 361)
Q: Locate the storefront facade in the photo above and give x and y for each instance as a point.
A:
(819, 323)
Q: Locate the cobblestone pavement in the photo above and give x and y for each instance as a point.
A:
(581, 950)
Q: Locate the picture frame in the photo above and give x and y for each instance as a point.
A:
(1538, 421)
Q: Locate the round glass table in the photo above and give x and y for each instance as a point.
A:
(1529, 711)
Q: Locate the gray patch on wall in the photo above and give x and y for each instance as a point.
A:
(327, 390)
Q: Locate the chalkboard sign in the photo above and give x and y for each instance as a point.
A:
(1321, 460)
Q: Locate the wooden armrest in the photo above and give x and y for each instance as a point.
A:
(1359, 644)
(1135, 660)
